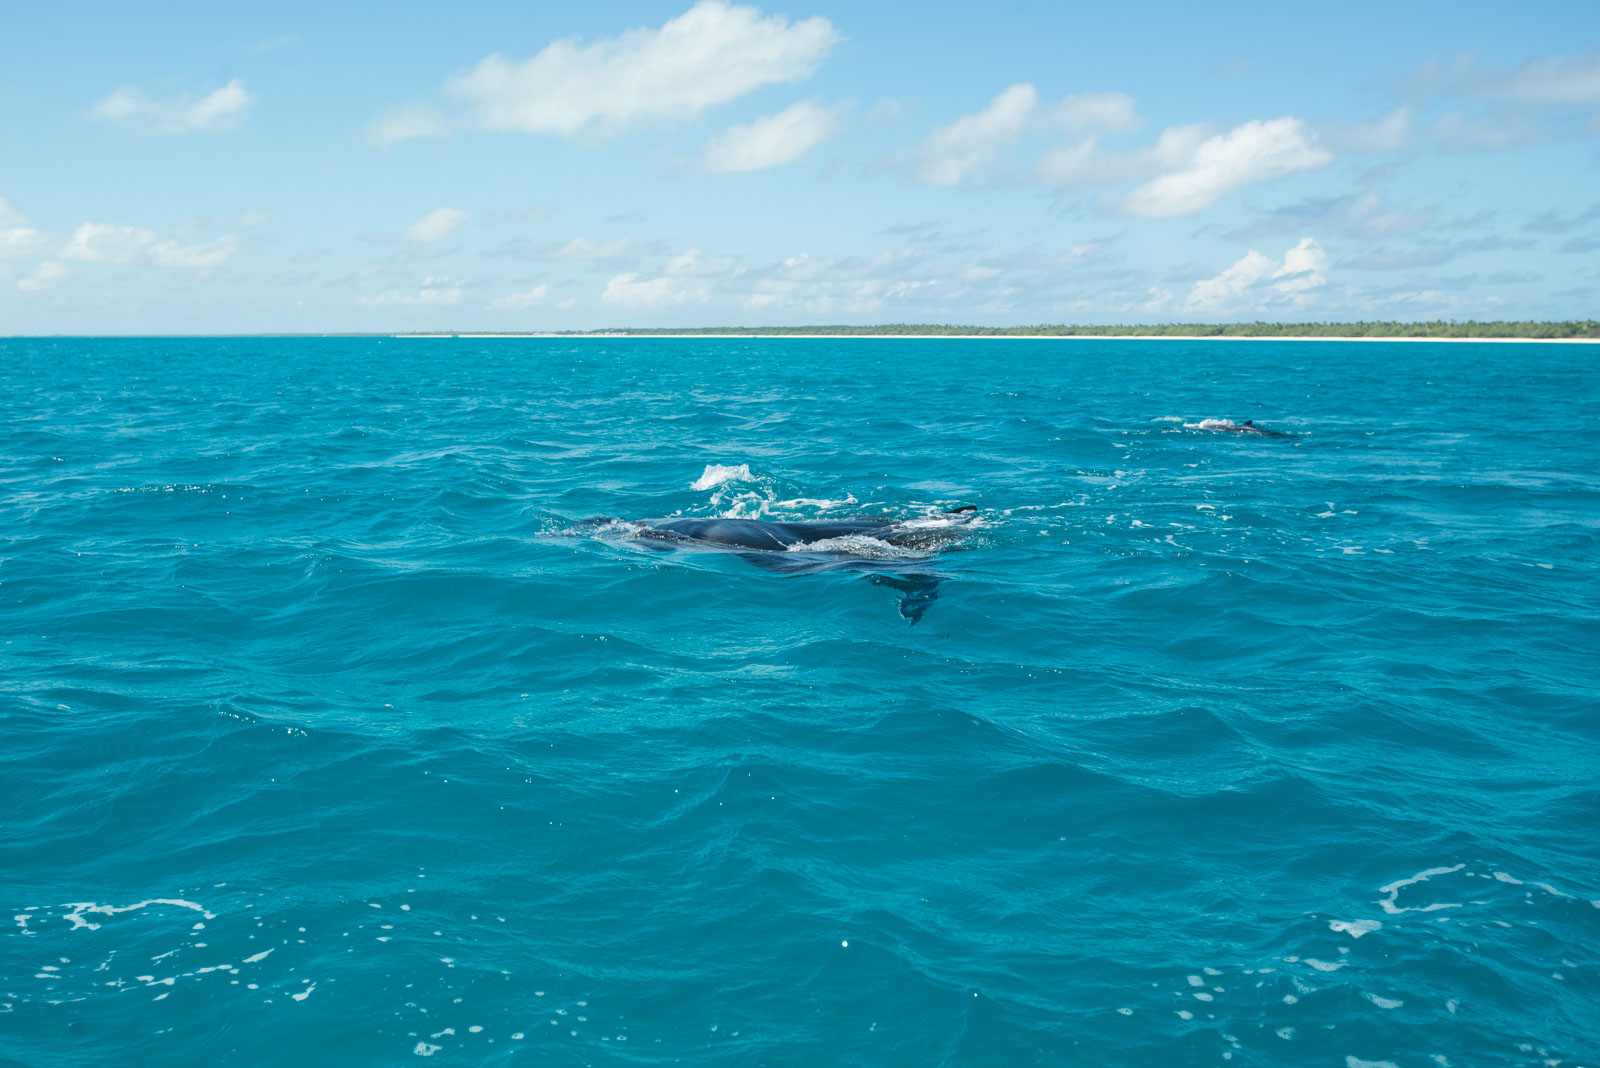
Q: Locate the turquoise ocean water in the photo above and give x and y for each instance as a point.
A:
(331, 737)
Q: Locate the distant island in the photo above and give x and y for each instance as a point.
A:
(1575, 329)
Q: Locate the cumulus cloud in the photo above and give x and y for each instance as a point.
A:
(1253, 152)
(172, 254)
(106, 243)
(1256, 279)
(1189, 167)
(695, 263)
(1387, 134)
(636, 291)
(1108, 112)
(772, 140)
(434, 226)
(48, 274)
(528, 298)
(713, 53)
(1084, 164)
(405, 124)
(969, 146)
(17, 239)
(112, 243)
(220, 110)
(583, 248)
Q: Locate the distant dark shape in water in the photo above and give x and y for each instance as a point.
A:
(897, 553)
(1228, 426)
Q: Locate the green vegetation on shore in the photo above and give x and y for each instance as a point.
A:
(1578, 328)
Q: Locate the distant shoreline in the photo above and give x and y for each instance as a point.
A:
(1516, 330)
(1010, 337)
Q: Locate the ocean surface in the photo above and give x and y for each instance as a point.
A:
(330, 734)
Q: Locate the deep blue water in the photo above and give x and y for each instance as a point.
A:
(324, 744)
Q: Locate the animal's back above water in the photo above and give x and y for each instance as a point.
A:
(764, 534)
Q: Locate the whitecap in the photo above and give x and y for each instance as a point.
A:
(1392, 890)
(719, 474)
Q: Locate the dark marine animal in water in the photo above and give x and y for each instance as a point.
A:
(1228, 426)
(891, 552)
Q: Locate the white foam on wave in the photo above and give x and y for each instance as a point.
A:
(1391, 891)
(821, 503)
(1211, 424)
(945, 521)
(79, 908)
(720, 474)
(858, 545)
(1355, 928)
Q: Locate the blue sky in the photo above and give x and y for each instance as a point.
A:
(299, 167)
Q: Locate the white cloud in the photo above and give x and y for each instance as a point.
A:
(17, 238)
(1261, 280)
(1369, 217)
(1558, 82)
(404, 124)
(1110, 112)
(19, 241)
(1385, 135)
(582, 248)
(772, 140)
(112, 243)
(171, 254)
(1083, 164)
(952, 154)
(852, 285)
(635, 291)
(526, 299)
(1489, 130)
(1252, 152)
(217, 111)
(709, 55)
(435, 225)
(106, 243)
(693, 263)
(970, 146)
(48, 274)
(437, 292)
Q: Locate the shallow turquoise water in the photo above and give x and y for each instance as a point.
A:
(329, 738)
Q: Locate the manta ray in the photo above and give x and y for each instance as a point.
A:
(892, 552)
